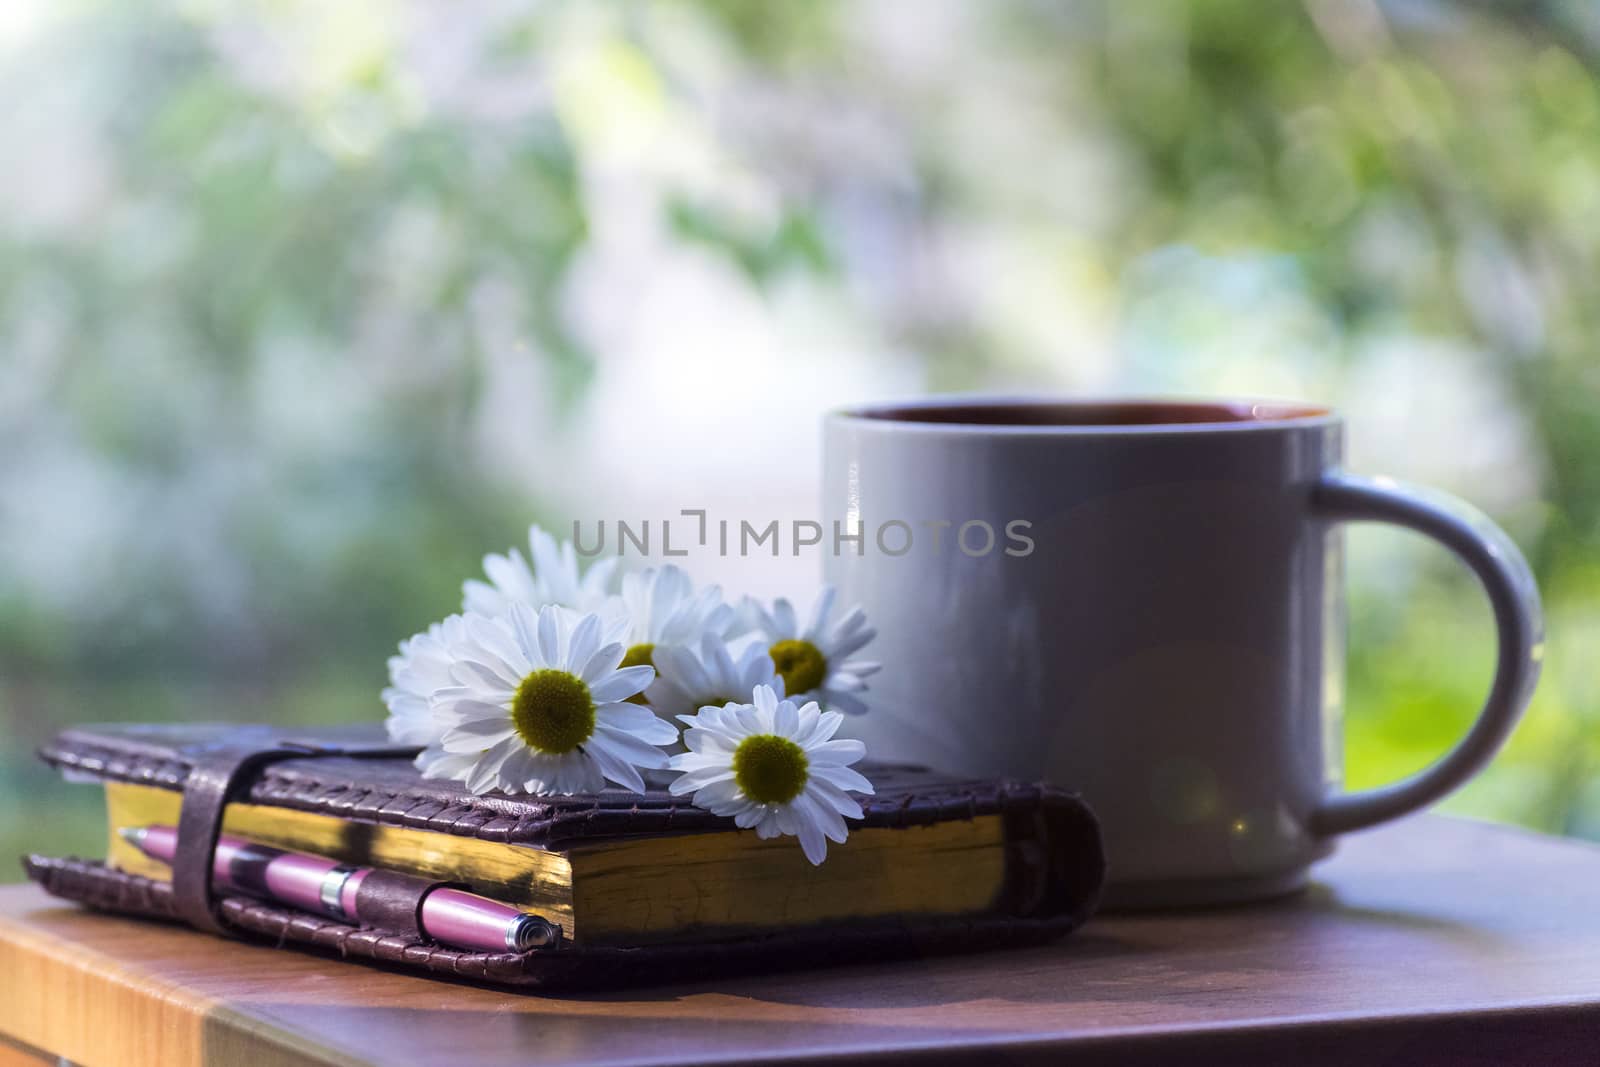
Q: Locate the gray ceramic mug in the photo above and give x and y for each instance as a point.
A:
(1142, 601)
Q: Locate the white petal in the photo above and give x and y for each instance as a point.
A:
(477, 736)
(750, 719)
(615, 768)
(485, 773)
(708, 744)
(682, 668)
(839, 751)
(577, 772)
(860, 669)
(842, 777)
(435, 762)
(785, 719)
(823, 816)
(812, 841)
(852, 624)
(625, 716)
(752, 662)
(754, 617)
(622, 684)
(785, 819)
(783, 618)
(616, 620)
(718, 793)
(508, 572)
(653, 730)
(726, 721)
(495, 636)
(604, 660)
(548, 633)
(481, 598)
(469, 709)
(844, 646)
(411, 731)
(729, 808)
(482, 677)
(809, 717)
(694, 761)
(584, 642)
(628, 747)
(699, 779)
(519, 767)
(826, 792)
(524, 626)
(539, 772)
(819, 614)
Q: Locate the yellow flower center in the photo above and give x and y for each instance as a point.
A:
(553, 711)
(770, 769)
(800, 663)
(641, 655)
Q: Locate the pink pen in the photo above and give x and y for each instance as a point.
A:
(313, 883)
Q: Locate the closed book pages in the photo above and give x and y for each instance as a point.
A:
(645, 887)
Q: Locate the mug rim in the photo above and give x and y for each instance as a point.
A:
(1243, 415)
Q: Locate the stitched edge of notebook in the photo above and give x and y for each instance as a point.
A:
(550, 825)
(575, 967)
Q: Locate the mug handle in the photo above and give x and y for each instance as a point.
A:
(1505, 577)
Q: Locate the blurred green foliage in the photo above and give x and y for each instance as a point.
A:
(262, 263)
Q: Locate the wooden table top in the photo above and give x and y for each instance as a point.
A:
(1432, 940)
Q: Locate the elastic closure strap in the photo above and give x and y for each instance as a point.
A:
(217, 775)
(391, 901)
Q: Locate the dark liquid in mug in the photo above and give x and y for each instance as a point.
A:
(1095, 413)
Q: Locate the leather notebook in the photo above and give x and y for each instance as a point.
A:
(645, 887)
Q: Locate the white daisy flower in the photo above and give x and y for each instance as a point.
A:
(664, 611)
(773, 767)
(815, 661)
(553, 578)
(688, 679)
(421, 668)
(540, 706)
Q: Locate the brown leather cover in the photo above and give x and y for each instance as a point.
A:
(1054, 864)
